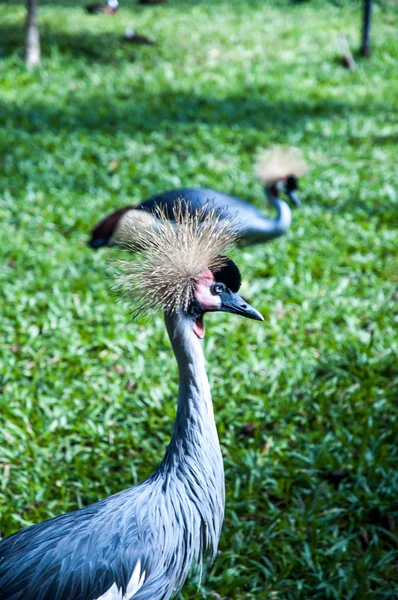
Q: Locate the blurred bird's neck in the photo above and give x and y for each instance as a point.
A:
(284, 214)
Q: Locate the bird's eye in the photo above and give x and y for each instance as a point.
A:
(218, 288)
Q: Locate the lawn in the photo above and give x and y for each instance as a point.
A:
(306, 402)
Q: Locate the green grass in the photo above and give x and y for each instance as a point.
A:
(88, 396)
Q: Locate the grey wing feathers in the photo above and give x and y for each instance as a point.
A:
(77, 556)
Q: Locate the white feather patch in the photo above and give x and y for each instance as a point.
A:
(131, 224)
(136, 582)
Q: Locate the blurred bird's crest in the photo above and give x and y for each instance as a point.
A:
(171, 254)
(278, 163)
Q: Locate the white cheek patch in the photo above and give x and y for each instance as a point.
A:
(136, 582)
(205, 297)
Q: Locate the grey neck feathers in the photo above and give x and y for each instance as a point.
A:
(195, 417)
(284, 214)
(193, 458)
(263, 228)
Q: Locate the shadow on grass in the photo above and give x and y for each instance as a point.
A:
(128, 108)
(99, 47)
(124, 111)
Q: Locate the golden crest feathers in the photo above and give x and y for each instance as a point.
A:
(278, 163)
(169, 256)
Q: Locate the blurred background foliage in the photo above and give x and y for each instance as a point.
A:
(306, 403)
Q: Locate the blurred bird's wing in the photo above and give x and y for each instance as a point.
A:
(103, 232)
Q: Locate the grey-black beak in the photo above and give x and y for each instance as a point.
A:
(293, 198)
(233, 303)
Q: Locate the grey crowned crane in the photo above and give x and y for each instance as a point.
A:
(110, 7)
(278, 169)
(142, 542)
(151, 1)
(133, 37)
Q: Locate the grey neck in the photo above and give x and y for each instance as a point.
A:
(182, 503)
(284, 214)
(193, 461)
(262, 228)
(194, 425)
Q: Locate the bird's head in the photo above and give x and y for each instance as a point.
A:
(279, 169)
(216, 290)
(179, 267)
(114, 4)
(288, 187)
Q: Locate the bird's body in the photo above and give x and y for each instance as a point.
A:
(108, 8)
(142, 542)
(133, 37)
(152, 1)
(256, 227)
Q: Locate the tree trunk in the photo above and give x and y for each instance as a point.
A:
(367, 11)
(32, 39)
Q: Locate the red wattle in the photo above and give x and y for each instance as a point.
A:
(199, 329)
